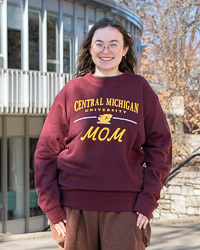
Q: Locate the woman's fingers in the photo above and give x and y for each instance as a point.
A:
(142, 221)
(146, 223)
(60, 227)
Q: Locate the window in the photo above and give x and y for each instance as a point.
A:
(34, 41)
(67, 44)
(52, 44)
(14, 36)
(67, 25)
(67, 55)
(15, 178)
(0, 35)
(34, 208)
(80, 32)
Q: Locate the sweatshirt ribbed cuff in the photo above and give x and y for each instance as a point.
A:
(56, 214)
(144, 207)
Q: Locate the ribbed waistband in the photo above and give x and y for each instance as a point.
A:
(99, 201)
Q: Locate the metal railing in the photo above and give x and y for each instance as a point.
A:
(29, 92)
(174, 172)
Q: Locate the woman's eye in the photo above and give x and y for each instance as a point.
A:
(113, 45)
(99, 44)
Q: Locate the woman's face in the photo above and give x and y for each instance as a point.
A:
(107, 50)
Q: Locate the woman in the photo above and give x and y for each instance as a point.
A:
(105, 149)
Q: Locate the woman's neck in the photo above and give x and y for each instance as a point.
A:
(100, 73)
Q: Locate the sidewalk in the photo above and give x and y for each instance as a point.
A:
(181, 236)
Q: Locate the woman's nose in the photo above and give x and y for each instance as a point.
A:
(106, 49)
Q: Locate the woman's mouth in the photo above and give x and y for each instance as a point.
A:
(106, 58)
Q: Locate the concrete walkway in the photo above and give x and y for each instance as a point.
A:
(184, 236)
(165, 236)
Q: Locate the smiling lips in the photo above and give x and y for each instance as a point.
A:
(106, 58)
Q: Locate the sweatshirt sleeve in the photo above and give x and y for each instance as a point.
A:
(158, 154)
(50, 144)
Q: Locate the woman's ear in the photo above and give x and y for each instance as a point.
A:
(125, 50)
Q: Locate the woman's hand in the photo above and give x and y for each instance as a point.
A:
(142, 221)
(60, 227)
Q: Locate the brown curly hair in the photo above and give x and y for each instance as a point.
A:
(85, 63)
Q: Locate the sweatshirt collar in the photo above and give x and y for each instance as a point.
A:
(109, 79)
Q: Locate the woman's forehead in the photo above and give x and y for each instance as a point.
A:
(107, 34)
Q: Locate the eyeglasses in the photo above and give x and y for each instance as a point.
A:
(100, 46)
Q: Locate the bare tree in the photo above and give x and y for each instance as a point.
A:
(171, 59)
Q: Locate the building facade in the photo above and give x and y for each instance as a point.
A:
(39, 43)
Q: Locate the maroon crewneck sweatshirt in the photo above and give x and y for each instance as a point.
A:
(105, 146)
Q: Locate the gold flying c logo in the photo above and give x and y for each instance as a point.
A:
(104, 119)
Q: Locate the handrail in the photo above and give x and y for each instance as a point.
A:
(174, 171)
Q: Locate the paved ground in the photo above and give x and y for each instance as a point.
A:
(182, 236)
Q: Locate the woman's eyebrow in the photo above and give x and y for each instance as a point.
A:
(98, 41)
(111, 41)
(114, 41)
